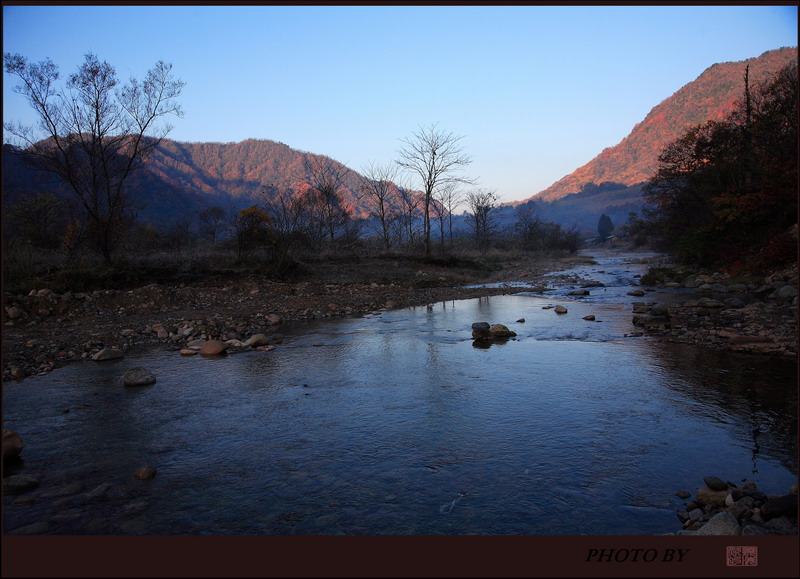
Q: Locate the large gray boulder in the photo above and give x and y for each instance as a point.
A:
(723, 523)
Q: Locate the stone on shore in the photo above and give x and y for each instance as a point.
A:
(273, 319)
(785, 505)
(257, 340)
(706, 496)
(561, 310)
(213, 348)
(108, 354)
(723, 523)
(715, 484)
(138, 377)
(14, 313)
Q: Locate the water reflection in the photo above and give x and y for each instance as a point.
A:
(752, 395)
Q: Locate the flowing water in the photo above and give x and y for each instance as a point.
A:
(399, 424)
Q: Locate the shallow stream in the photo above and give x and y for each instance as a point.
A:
(399, 424)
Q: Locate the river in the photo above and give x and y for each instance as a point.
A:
(398, 424)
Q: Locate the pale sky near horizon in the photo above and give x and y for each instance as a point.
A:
(535, 91)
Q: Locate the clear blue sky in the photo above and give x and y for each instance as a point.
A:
(536, 91)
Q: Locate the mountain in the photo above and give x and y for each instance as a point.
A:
(181, 179)
(711, 96)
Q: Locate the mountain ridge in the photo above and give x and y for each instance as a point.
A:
(182, 178)
(633, 160)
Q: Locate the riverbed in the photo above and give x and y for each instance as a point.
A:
(398, 423)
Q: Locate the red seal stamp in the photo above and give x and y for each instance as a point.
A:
(741, 556)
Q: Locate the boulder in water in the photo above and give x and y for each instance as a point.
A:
(138, 377)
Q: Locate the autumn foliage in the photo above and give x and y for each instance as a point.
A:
(725, 192)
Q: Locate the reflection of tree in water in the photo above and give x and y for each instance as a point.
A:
(759, 391)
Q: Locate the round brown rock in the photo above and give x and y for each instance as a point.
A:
(501, 331)
(213, 348)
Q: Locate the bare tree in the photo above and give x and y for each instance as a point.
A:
(326, 177)
(482, 203)
(377, 185)
(212, 219)
(94, 133)
(406, 213)
(285, 208)
(434, 156)
(449, 198)
(528, 225)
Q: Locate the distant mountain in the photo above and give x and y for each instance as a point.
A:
(712, 95)
(181, 179)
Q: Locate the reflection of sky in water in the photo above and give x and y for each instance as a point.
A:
(397, 424)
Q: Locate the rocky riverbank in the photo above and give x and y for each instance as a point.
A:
(44, 330)
(716, 310)
(725, 508)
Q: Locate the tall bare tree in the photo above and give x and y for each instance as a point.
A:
(377, 185)
(326, 177)
(94, 133)
(435, 157)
